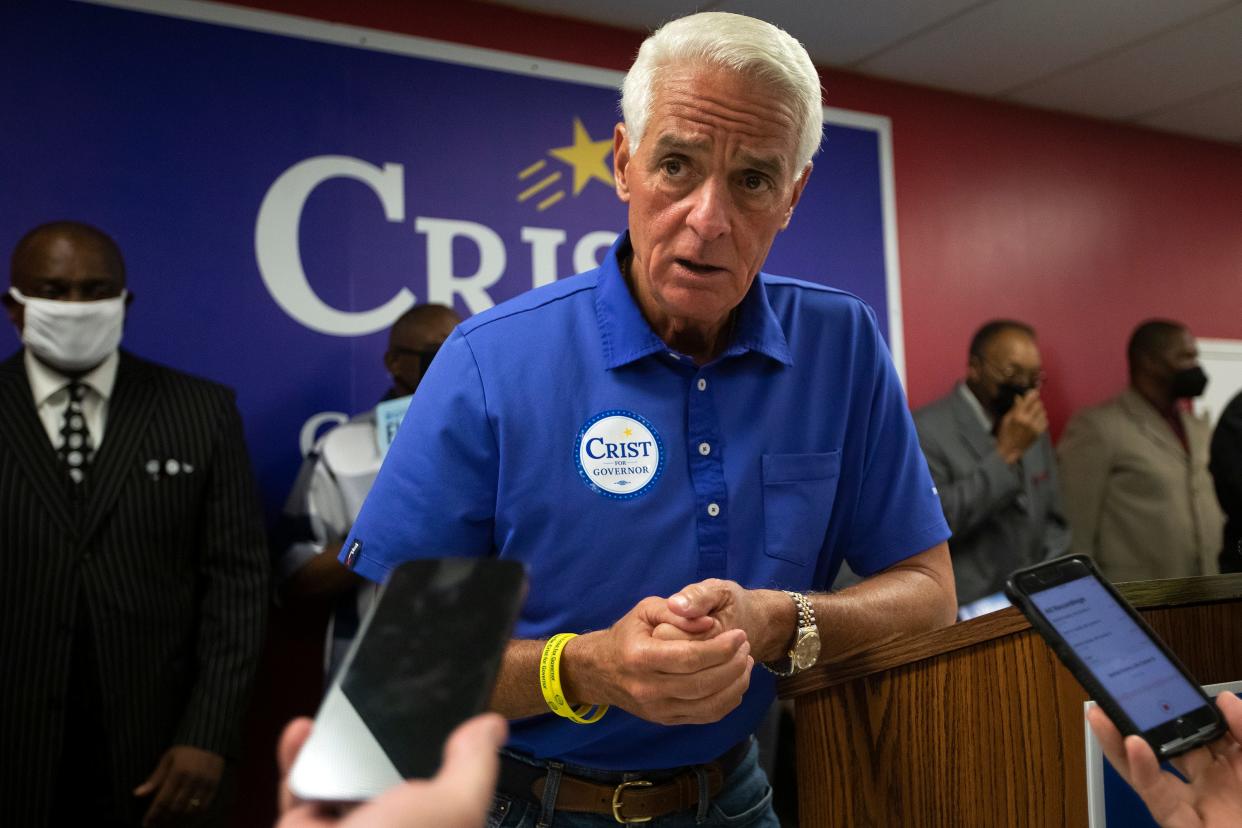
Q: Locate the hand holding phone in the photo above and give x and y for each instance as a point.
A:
(1210, 792)
(458, 796)
(1115, 655)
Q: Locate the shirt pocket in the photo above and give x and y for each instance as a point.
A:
(798, 491)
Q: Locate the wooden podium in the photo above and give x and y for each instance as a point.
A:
(978, 724)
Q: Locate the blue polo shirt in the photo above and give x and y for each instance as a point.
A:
(559, 430)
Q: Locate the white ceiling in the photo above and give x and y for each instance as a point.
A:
(1173, 65)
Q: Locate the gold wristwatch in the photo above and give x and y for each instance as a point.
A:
(805, 651)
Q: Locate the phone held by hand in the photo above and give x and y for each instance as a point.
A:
(1115, 656)
(425, 659)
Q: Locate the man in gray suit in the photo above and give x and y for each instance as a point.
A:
(1137, 484)
(987, 446)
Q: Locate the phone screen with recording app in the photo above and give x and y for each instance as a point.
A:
(1115, 655)
(1120, 654)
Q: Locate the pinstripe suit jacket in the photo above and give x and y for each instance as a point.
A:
(173, 569)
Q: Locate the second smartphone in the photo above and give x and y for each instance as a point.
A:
(1115, 656)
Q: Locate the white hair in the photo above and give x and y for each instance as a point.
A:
(736, 42)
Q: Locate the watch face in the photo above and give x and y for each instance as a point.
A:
(806, 651)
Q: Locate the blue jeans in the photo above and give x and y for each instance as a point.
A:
(745, 801)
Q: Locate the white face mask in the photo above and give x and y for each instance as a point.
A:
(72, 336)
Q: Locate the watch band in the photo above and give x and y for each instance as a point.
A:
(806, 622)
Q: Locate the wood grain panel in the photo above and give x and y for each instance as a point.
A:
(979, 734)
(1143, 594)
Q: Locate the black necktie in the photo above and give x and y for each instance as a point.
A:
(76, 449)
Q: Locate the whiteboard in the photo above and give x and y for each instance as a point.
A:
(1222, 360)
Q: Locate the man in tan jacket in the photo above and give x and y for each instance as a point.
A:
(1134, 470)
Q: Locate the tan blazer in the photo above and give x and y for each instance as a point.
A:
(1137, 502)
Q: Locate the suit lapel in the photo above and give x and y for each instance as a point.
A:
(969, 428)
(1151, 423)
(128, 415)
(22, 430)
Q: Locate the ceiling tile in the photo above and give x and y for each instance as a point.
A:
(1218, 117)
(640, 15)
(1185, 63)
(842, 32)
(1160, 63)
(1005, 44)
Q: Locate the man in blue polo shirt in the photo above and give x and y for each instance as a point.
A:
(682, 451)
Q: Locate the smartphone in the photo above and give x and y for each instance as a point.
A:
(425, 659)
(1114, 655)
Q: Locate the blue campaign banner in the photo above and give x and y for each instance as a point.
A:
(283, 189)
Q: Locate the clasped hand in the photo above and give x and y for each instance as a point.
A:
(686, 659)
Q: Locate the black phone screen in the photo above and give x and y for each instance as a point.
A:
(428, 657)
(1126, 662)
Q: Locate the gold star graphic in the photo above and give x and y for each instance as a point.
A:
(629, 432)
(588, 158)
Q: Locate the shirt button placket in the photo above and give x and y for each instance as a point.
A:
(707, 476)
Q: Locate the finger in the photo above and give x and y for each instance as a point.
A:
(1160, 791)
(159, 812)
(459, 794)
(655, 611)
(1231, 708)
(472, 759)
(1193, 762)
(672, 632)
(287, 749)
(179, 788)
(306, 815)
(702, 627)
(1111, 741)
(710, 682)
(201, 792)
(682, 657)
(291, 740)
(710, 709)
(702, 598)
(1028, 416)
(1144, 767)
(156, 778)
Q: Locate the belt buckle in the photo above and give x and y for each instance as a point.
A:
(616, 802)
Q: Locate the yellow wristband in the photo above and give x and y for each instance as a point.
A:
(550, 683)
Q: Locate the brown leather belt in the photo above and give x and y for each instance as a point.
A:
(625, 800)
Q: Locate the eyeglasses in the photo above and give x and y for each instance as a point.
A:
(1014, 376)
(424, 355)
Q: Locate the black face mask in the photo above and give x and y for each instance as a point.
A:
(1188, 382)
(1007, 394)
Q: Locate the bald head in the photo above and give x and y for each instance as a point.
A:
(64, 261)
(422, 325)
(413, 341)
(82, 262)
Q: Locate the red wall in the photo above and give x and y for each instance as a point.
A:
(1079, 227)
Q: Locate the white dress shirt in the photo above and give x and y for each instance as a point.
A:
(50, 390)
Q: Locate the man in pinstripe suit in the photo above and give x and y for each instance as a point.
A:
(134, 588)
